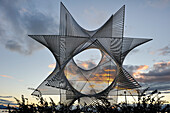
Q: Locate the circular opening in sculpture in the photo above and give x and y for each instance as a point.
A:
(93, 80)
(88, 59)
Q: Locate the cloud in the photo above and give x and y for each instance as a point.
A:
(158, 3)
(52, 65)
(139, 70)
(10, 77)
(72, 72)
(13, 46)
(5, 96)
(6, 76)
(166, 92)
(164, 51)
(4, 101)
(134, 70)
(160, 86)
(159, 69)
(159, 72)
(91, 81)
(87, 65)
(100, 75)
(17, 22)
(155, 77)
(90, 16)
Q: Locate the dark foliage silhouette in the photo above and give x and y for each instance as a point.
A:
(147, 103)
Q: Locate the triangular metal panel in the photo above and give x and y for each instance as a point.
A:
(125, 80)
(105, 30)
(118, 23)
(116, 48)
(45, 89)
(114, 27)
(105, 43)
(129, 44)
(72, 43)
(59, 81)
(68, 26)
(52, 42)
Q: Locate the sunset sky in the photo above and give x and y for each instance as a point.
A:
(24, 63)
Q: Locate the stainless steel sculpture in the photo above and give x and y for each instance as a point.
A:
(69, 79)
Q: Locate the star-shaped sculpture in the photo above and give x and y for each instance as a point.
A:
(73, 39)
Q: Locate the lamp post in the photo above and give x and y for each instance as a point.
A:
(125, 97)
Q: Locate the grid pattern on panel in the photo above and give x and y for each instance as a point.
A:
(125, 80)
(115, 48)
(44, 88)
(118, 23)
(52, 42)
(72, 43)
(68, 26)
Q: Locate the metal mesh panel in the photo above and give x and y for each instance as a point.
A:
(62, 50)
(115, 48)
(129, 44)
(125, 80)
(94, 80)
(52, 42)
(105, 42)
(91, 33)
(73, 73)
(72, 43)
(104, 73)
(44, 87)
(68, 26)
(69, 95)
(87, 73)
(93, 101)
(58, 81)
(114, 26)
(68, 46)
(117, 91)
(106, 58)
(105, 30)
(78, 85)
(87, 101)
(88, 89)
(118, 23)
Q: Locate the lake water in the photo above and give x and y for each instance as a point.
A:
(3, 110)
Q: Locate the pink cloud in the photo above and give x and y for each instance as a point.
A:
(137, 73)
(160, 72)
(6, 76)
(10, 77)
(52, 65)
